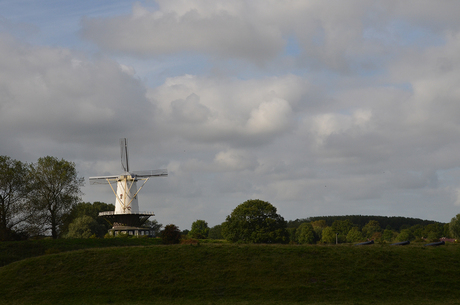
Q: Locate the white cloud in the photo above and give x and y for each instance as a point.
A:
(222, 110)
(60, 96)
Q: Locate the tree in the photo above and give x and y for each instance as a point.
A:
(199, 230)
(318, 226)
(215, 232)
(170, 234)
(84, 227)
(255, 221)
(328, 235)
(454, 226)
(388, 235)
(354, 235)
(404, 235)
(92, 210)
(305, 234)
(56, 189)
(14, 188)
(154, 225)
(370, 228)
(342, 227)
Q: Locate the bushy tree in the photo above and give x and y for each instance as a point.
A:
(170, 234)
(14, 189)
(318, 227)
(370, 228)
(342, 227)
(56, 189)
(354, 235)
(199, 229)
(85, 227)
(328, 235)
(255, 221)
(433, 231)
(92, 210)
(305, 234)
(388, 235)
(215, 232)
(454, 226)
(404, 235)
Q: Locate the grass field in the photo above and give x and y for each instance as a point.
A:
(140, 272)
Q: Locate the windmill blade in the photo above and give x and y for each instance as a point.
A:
(103, 179)
(150, 173)
(124, 154)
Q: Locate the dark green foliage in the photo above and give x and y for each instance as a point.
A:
(404, 235)
(14, 190)
(292, 235)
(370, 228)
(255, 221)
(305, 234)
(388, 235)
(395, 222)
(354, 235)
(454, 226)
(215, 232)
(199, 230)
(85, 227)
(92, 210)
(342, 226)
(329, 235)
(170, 235)
(55, 190)
(433, 231)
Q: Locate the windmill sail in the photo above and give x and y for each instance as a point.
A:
(150, 173)
(124, 154)
(103, 179)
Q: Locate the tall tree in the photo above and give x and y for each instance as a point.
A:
(13, 196)
(454, 226)
(370, 228)
(255, 221)
(215, 232)
(199, 229)
(305, 234)
(56, 189)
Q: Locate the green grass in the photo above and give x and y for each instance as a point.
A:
(236, 274)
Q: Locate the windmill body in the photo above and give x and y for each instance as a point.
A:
(126, 199)
(127, 216)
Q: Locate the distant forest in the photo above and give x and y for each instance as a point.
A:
(396, 223)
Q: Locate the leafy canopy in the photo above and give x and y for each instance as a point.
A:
(255, 221)
(199, 229)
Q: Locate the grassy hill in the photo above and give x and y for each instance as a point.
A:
(236, 274)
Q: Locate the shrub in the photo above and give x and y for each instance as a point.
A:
(170, 234)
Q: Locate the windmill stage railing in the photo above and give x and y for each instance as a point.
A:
(108, 213)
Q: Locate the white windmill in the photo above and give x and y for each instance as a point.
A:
(127, 217)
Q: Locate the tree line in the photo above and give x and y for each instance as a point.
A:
(257, 221)
(44, 198)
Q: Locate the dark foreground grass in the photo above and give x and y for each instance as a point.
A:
(237, 274)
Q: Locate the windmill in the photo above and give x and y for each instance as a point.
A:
(127, 217)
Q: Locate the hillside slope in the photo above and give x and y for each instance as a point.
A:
(227, 274)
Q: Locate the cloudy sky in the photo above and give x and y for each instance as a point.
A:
(319, 107)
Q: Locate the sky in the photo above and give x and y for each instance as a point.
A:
(318, 107)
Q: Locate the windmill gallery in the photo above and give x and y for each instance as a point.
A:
(127, 219)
